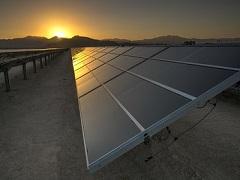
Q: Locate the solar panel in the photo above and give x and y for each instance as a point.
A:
(144, 52)
(190, 79)
(105, 73)
(79, 56)
(80, 72)
(91, 53)
(109, 49)
(220, 56)
(108, 57)
(125, 62)
(121, 50)
(129, 93)
(86, 84)
(175, 53)
(100, 54)
(80, 64)
(80, 59)
(214, 56)
(144, 100)
(89, 49)
(106, 128)
(100, 49)
(95, 64)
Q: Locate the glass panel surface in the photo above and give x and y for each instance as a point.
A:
(105, 73)
(99, 55)
(88, 60)
(107, 50)
(100, 49)
(78, 56)
(97, 49)
(144, 52)
(90, 49)
(82, 63)
(105, 125)
(176, 53)
(94, 64)
(79, 59)
(107, 57)
(194, 80)
(125, 62)
(148, 103)
(80, 72)
(93, 53)
(86, 84)
(220, 56)
(120, 50)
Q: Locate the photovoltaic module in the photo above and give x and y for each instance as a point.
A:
(126, 94)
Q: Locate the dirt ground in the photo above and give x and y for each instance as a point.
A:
(40, 137)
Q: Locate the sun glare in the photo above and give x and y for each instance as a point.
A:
(59, 32)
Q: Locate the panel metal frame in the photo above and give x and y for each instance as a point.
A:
(197, 64)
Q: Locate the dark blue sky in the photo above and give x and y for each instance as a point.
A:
(133, 19)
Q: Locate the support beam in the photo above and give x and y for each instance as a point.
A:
(34, 66)
(45, 58)
(41, 63)
(24, 71)
(7, 81)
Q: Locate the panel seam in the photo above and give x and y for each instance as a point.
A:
(134, 120)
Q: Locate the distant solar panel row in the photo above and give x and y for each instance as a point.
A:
(128, 93)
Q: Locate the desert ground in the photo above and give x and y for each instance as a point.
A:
(41, 138)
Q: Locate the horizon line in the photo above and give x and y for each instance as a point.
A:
(48, 38)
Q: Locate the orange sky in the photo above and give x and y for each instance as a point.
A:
(135, 19)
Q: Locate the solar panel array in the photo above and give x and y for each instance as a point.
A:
(128, 93)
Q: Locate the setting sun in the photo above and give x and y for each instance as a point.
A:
(59, 32)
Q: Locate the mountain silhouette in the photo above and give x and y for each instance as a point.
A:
(177, 40)
(54, 42)
(81, 41)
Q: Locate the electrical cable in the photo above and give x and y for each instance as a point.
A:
(175, 138)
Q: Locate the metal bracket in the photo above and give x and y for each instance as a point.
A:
(147, 139)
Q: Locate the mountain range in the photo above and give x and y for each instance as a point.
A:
(80, 41)
(172, 39)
